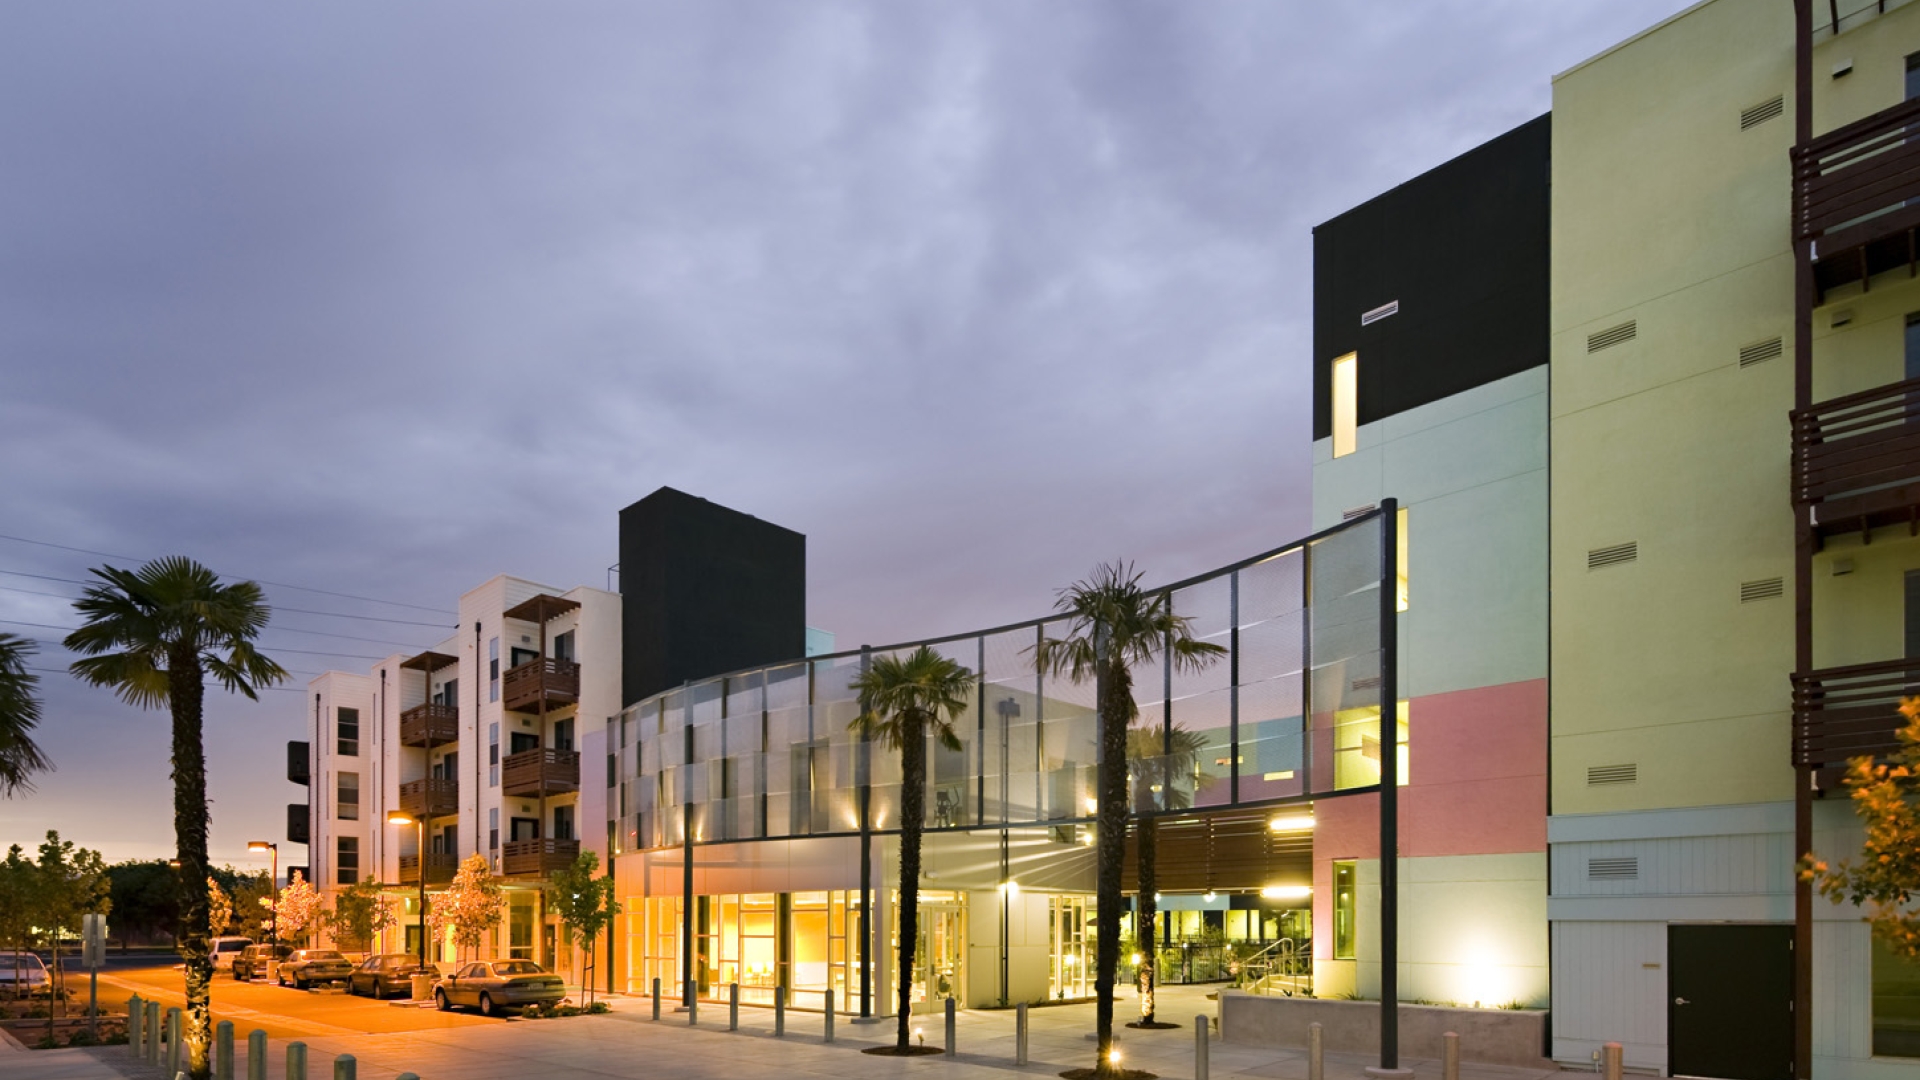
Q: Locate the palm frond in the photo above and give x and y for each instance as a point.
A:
(20, 756)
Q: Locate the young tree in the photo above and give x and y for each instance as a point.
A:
(20, 756)
(903, 703)
(471, 905)
(1112, 624)
(1886, 799)
(299, 909)
(253, 898)
(586, 907)
(146, 899)
(219, 908)
(153, 635)
(16, 904)
(1156, 759)
(69, 882)
(359, 912)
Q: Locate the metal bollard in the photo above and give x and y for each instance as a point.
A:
(408, 1076)
(1611, 1060)
(1200, 1026)
(136, 1039)
(1450, 1056)
(174, 1057)
(656, 997)
(296, 1061)
(345, 1068)
(256, 1055)
(1020, 1034)
(1316, 1053)
(779, 1011)
(693, 1004)
(733, 1006)
(223, 1050)
(829, 1016)
(953, 1042)
(152, 1028)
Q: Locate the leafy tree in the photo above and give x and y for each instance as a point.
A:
(471, 905)
(585, 905)
(253, 898)
(219, 908)
(1886, 799)
(20, 757)
(1155, 760)
(1112, 624)
(153, 635)
(903, 702)
(299, 909)
(16, 902)
(146, 899)
(359, 912)
(67, 883)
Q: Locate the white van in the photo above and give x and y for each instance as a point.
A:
(224, 949)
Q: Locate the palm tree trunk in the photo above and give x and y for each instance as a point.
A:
(1115, 698)
(913, 816)
(1148, 937)
(185, 694)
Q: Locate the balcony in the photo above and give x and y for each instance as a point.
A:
(1847, 712)
(297, 763)
(1856, 460)
(1857, 197)
(541, 772)
(537, 858)
(432, 724)
(298, 821)
(552, 683)
(433, 797)
(440, 868)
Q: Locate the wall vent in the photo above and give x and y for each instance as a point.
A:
(1756, 115)
(1350, 514)
(1768, 589)
(1759, 352)
(1370, 682)
(1614, 555)
(1840, 318)
(1615, 868)
(1602, 775)
(1391, 307)
(1613, 335)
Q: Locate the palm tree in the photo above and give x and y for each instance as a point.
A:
(1154, 760)
(152, 635)
(20, 757)
(902, 702)
(1112, 624)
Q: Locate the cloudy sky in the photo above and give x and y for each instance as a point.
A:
(383, 299)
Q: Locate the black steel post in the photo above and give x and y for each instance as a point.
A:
(1389, 787)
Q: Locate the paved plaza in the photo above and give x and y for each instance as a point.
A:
(628, 1043)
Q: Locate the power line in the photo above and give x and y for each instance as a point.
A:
(296, 611)
(276, 648)
(263, 581)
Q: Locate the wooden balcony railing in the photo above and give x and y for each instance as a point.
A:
(1857, 196)
(432, 797)
(431, 724)
(537, 858)
(557, 681)
(440, 868)
(1848, 712)
(540, 772)
(1856, 459)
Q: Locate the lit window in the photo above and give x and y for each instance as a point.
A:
(1896, 992)
(1346, 403)
(348, 800)
(1400, 553)
(1344, 887)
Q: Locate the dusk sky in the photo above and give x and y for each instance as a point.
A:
(384, 299)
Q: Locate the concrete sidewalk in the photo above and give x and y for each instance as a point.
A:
(627, 1043)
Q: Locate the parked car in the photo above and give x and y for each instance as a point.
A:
(224, 949)
(253, 960)
(22, 972)
(304, 967)
(388, 974)
(492, 985)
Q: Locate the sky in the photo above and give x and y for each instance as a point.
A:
(371, 302)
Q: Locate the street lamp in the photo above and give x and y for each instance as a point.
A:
(401, 817)
(273, 883)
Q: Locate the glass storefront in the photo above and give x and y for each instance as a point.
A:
(739, 938)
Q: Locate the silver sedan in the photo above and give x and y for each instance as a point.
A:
(492, 985)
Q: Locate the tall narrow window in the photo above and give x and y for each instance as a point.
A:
(347, 807)
(347, 730)
(347, 860)
(563, 646)
(493, 755)
(1400, 555)
(493, 669)
(1913, 614)
(1346, 403)
(493, 828)
(1344, 908)
(1913, 76)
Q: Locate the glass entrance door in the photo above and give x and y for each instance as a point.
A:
(939, 954)
(1068, 948)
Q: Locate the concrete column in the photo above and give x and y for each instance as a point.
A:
(1316, 1052)
(174, 1056)
(1450, 1056)
(152, 1028)
(1200, 1026)
(256, 1055)
(1020, 1034)
(296, 1061)
(136, 1039)
(223, 1050)
(345, 1068)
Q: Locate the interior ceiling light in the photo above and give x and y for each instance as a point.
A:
(1291, 823)
(1286, 892)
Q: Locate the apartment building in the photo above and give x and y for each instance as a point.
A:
(479, 741)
